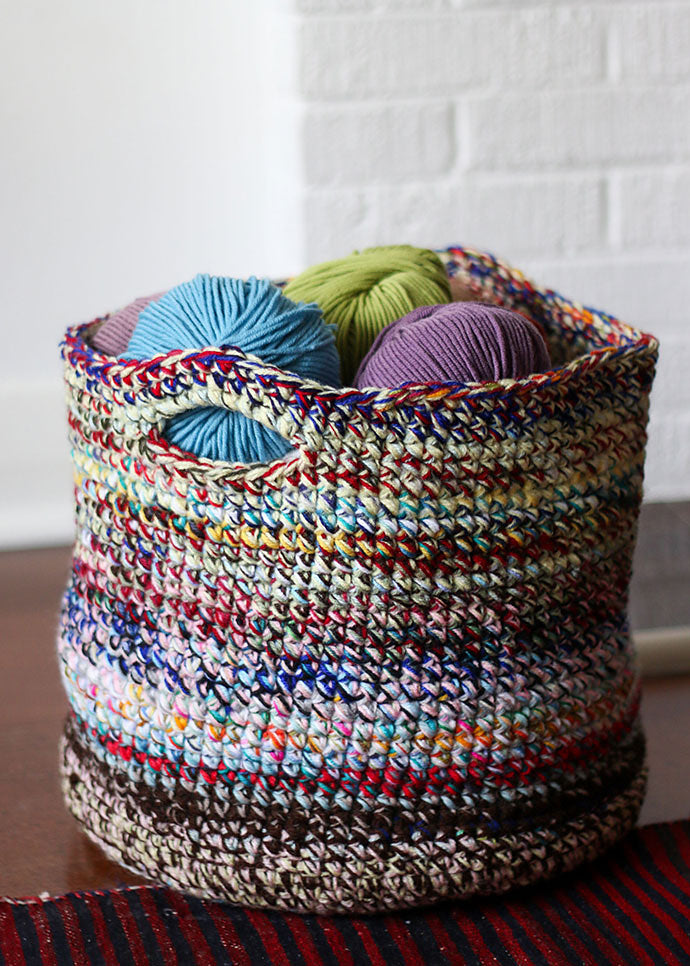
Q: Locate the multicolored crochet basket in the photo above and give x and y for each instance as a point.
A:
(391, 668)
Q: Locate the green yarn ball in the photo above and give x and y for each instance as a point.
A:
(365, 291)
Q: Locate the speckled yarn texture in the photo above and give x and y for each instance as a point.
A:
(390, 669)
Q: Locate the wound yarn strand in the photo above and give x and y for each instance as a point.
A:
(458, 342)
(365, 291)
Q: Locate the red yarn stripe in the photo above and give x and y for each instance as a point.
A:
(73, 931)
(658, 855)
(561, 926)
(536, 934)
(269, 937)
(228, 936)
(658, 882)
(335, 940)
(402, 937)
(188, 925)
(473, 935)
(129, 926)
(506, 934)
(650, 904)
(45, 939)
(158, 928)
(100, 928)
(445, 943)
(10, 943)
(368, 941)
(612, 889)
(609, 916)
(588, 927)
(303, 941)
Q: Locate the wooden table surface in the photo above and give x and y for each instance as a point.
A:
(42, 849)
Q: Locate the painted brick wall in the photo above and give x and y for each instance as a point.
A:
(557, 134)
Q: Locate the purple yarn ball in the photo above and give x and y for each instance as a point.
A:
(112, 338)
(457, 342)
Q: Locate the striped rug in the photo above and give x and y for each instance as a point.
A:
(632, 907)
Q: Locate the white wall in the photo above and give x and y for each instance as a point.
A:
(139, 147)
(146, 141)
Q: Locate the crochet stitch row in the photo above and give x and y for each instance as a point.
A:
(390, 668)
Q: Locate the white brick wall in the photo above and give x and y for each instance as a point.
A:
(653, 42)
(652, 207)
(422, 53)
(577, 128)
(554, 132)
(389, 143)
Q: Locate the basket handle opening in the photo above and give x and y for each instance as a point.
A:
(227, 379)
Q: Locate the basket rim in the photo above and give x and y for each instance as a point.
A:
(143, 384)
(121, 372)
(622, 340)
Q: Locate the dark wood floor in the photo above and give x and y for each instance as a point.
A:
(41, 847)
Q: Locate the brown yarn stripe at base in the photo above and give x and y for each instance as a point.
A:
(630, 907)
(616, 769)
(363, 868)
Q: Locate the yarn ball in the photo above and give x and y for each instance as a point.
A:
(461, 291)
(251, 315)
(112, 337)
(460, 342)
(365, 291)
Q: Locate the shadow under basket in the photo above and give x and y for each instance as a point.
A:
(393, 667)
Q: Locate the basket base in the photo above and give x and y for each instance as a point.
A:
(147, 831)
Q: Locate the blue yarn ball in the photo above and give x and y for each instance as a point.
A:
(253, 316)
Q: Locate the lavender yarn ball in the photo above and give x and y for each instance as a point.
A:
(112, 337)
(457, 342)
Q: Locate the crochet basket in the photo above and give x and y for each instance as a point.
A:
(393, 667)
